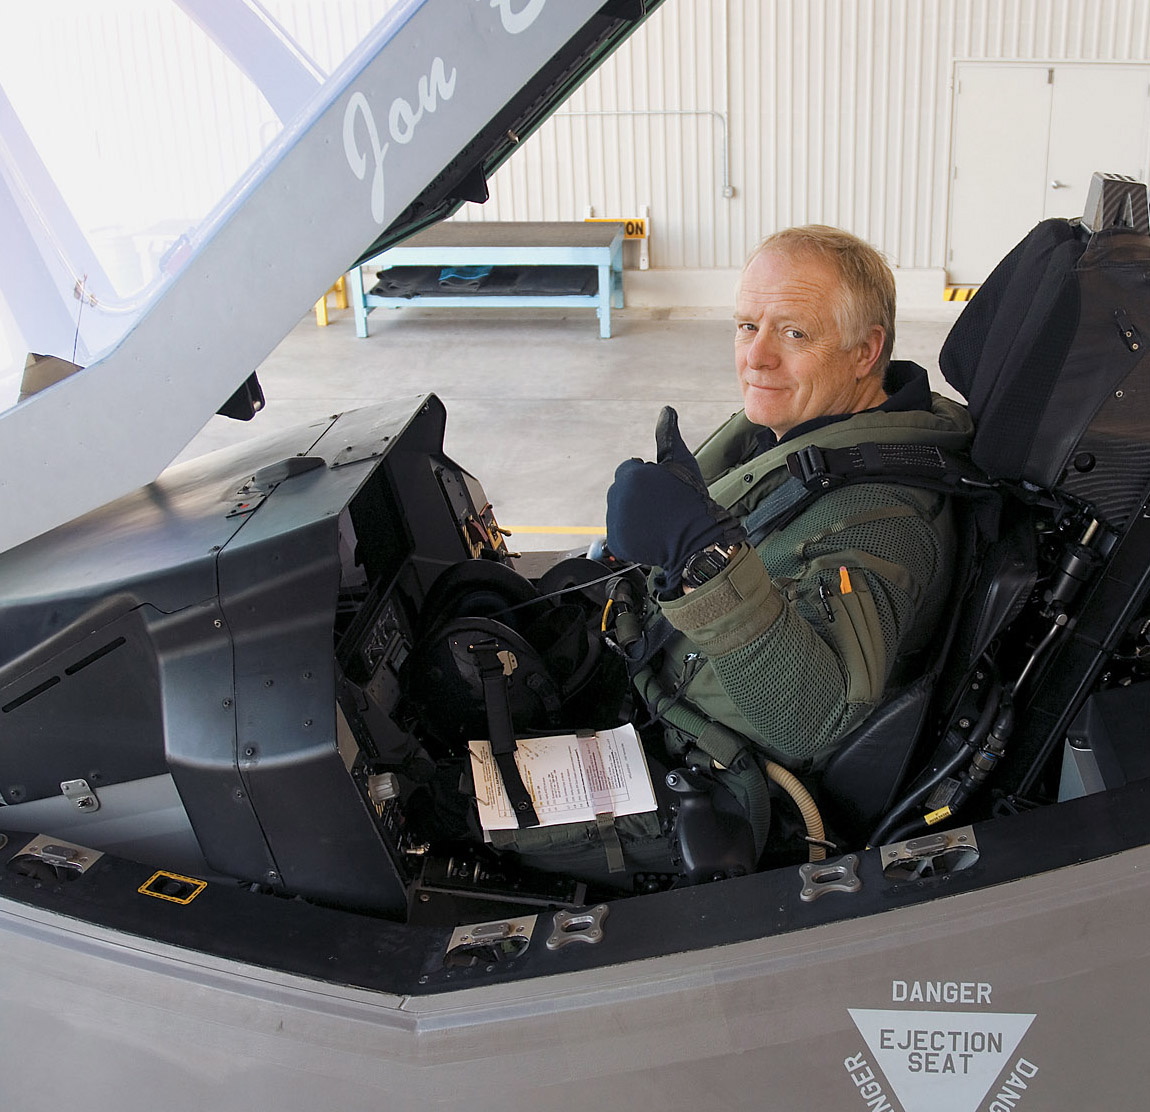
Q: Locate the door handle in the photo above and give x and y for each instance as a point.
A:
(1058, 185)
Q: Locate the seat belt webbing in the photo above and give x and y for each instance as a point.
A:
(502, 730)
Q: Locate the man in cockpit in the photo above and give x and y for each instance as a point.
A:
(789, 627)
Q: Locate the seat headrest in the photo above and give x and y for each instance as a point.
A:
(1007, 349)
(1011, 301)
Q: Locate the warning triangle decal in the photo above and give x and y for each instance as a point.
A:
(941, 1061)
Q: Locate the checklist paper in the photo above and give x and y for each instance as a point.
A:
(570, 778)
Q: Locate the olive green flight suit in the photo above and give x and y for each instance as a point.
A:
(797, 641)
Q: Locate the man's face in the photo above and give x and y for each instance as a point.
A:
(788, 350)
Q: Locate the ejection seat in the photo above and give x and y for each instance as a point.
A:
(1050, 355)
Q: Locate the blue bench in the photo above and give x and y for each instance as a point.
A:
(519, 246)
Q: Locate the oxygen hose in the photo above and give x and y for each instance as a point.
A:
(804, 801)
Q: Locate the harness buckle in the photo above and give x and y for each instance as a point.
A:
(809, 466)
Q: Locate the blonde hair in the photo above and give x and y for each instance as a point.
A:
(868, 293)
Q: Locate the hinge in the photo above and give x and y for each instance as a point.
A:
(80, 794)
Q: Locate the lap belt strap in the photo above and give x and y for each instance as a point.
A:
(815, 471)
(496, 680)
(612, 847)
(605, 828)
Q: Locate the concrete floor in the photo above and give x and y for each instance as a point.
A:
(540, 409)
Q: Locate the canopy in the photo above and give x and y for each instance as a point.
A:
(180, 181)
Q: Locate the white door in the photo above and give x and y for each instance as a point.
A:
(1001, 129)
(1099, 120)
(1026, 140)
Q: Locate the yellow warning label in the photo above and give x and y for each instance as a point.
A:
(634, 227)
(959, 293)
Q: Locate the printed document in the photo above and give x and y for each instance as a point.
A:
(570, 778)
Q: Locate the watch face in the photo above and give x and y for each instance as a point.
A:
(705, 565)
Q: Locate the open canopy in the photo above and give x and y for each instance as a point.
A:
(179, 182)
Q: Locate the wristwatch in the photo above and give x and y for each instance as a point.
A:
(703, 566)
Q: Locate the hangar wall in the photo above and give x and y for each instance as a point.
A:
(833, 111)
(728, 118)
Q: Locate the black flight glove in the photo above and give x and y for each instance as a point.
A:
(660, 513)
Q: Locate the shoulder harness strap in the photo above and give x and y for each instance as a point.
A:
(816, 471)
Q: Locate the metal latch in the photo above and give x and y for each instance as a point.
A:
(585, 924)
(257, 487)
(501, 940)
(947, 851)
(61, 854)
(80, 794)
(821, 877)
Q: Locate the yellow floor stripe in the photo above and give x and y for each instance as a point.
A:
(563, 530)
(959, 293)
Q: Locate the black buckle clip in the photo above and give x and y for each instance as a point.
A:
(809, 466)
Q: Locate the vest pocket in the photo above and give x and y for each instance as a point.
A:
(854, 628)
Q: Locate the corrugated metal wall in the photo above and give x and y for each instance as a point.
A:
(729, 118)
(837, 111)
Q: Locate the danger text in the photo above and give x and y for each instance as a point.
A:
(941, 992)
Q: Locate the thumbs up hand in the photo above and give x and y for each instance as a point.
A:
(660, 513)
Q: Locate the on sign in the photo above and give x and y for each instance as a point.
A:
(633, 227)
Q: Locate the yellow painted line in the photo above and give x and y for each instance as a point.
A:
(568, 530)
(959, 293)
